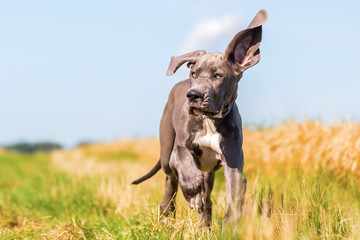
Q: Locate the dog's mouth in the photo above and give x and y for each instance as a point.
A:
(203, 111)
(196, 109)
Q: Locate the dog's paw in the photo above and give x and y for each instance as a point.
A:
(197, 201)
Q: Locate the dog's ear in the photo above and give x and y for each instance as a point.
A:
(176, 62)
(243, 50)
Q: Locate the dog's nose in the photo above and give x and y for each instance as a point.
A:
(194, 95)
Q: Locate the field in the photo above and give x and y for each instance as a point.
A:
(303, 183)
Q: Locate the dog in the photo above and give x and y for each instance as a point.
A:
(201, 128)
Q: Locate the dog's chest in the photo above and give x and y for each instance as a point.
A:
(208, 141)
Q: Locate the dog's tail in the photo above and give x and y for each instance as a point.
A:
(149, 174)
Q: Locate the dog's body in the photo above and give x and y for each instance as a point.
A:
(201, 128)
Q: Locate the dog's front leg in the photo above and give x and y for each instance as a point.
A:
(190, 178)
(235, 184)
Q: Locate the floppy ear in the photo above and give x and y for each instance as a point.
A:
(243, 51)
(176, 62)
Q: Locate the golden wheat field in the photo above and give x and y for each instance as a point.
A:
(303, 183)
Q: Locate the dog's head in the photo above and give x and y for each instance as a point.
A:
(214, 77)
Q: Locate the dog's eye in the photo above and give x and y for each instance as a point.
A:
(217, 76)
(193, 74)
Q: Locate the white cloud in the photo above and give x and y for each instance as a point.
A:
(212, 34)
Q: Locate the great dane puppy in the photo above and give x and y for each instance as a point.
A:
(201, 128)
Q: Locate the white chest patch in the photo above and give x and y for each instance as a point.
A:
(209, 142)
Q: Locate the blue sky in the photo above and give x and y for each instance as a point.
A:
(75, 71)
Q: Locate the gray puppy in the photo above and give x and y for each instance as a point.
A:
(201, 128)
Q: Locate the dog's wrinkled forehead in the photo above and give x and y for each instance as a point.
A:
(212, 61)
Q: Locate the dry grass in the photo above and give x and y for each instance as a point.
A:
(310, 144)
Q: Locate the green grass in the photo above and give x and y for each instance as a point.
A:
(39, 201)
(35, 199)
